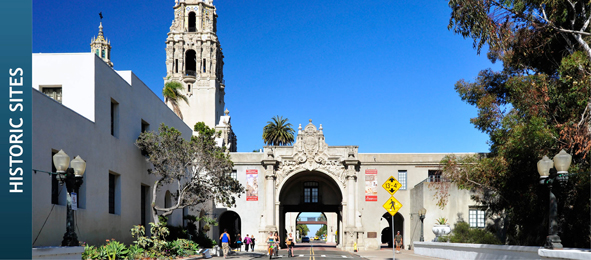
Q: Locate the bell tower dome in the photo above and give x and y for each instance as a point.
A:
(101, 46)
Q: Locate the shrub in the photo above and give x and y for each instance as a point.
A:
(115, 249)
(463, 233)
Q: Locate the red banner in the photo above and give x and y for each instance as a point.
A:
(252, 185)
(371, 185)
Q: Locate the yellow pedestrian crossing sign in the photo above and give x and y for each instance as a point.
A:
(391, 185)
(392, 206)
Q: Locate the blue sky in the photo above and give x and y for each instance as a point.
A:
(379, 74)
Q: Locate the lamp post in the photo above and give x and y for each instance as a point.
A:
(422, 213)
(72, 177)
(561, 161)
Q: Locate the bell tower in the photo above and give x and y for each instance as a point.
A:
(194, 58)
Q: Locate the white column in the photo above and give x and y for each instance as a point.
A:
(269, 200)
(350, 201)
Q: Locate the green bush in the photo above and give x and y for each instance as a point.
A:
(181, 248)
(463, 233)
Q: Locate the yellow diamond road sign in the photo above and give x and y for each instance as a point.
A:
(392, 206)
(391, 185)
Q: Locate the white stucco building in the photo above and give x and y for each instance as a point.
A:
(97, 113)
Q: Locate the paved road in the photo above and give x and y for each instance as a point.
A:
(320, 251)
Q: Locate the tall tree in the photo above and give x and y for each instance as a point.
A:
(172, 94)
(278, 132)
(198, 169)
(537, 105)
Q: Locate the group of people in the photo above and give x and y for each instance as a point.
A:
(273, 240)
(249, 242)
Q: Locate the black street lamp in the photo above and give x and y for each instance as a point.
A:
(72, 177)
(562, 161)
(422, 213)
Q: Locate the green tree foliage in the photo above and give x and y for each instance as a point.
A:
(198, 169)
(303, 229)
(172, 94)
(321, 231)
(278, 132)
(537, 105)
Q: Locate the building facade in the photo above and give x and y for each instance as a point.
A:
(310, 176)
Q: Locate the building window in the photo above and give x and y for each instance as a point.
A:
(176, 65)
(97, 52)
(167, 200)
(204, 65)
(114, 193)
(103, 54)
(435, 176)
(477, 218)
(402, 179)
(145, 126)
(234, 174)
(311, 192)
(54, 92)
(114, 118)
(144, 192)
(189, 88)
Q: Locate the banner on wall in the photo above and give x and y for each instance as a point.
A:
(252, 185)
(371, 185)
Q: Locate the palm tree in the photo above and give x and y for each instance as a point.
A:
(172, 93)
(278, 132)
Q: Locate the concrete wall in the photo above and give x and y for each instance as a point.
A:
(59, 126)
(457, 251)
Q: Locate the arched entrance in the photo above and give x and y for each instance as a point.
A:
(231, 222)
(386, 236)
(310, 191)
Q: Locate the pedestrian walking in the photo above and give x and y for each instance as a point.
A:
(398, 240)
(239, 242)
(252, 240)
(247, 242)
(225, 239)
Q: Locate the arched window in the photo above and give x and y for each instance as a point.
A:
(192, 22)
(190, 63)
(167, 200)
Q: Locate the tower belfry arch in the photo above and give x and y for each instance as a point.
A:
(309, 163)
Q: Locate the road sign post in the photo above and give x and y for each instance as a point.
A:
(392, 206)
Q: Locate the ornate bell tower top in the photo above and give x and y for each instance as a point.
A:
(194, 16)
(101, 46)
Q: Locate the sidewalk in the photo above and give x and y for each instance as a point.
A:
(386, 254)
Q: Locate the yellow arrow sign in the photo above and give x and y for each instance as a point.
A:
(391, 185)
(392, 206)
